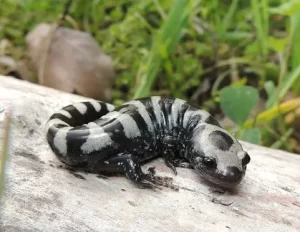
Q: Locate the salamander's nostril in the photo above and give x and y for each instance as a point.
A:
(231, 175)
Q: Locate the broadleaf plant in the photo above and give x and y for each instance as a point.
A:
(237, 102)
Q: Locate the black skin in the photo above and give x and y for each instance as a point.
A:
(165, 145)
(131, 166)
(135, 174)
(127, 154)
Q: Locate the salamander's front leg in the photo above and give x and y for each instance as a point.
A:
(182, 163)
(129, 164)
(172, 162)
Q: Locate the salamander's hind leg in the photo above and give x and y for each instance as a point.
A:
(129, 165)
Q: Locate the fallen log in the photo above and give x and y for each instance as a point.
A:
(41, 194)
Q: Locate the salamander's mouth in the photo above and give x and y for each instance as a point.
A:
(228, 178)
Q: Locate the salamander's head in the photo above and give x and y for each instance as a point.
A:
(218, 156)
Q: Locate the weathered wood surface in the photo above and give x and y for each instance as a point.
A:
(41, 195)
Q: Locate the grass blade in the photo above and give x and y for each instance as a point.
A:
(228, 18)
(274, 112)
(288, 82)
(261, 25)
(165, 43)
(295, 21)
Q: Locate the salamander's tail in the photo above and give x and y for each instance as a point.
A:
(68, 123)
(79, 114)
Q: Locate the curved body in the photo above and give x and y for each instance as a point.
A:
(98, 137)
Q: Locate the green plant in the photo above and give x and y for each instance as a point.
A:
(237, 103)
(164, 44)
(188, 49)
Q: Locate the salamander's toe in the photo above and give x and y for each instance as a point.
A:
(147, 181)
(151, 181)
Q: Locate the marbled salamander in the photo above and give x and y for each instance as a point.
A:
(96, 136)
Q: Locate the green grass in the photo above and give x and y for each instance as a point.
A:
(187, 49)
(164, 44)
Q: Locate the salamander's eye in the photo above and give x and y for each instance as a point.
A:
(246, 159)
(209, 162)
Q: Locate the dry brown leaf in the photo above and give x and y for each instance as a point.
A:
(74, 61)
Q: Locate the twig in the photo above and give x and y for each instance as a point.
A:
(220, 201)
(3, 151)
